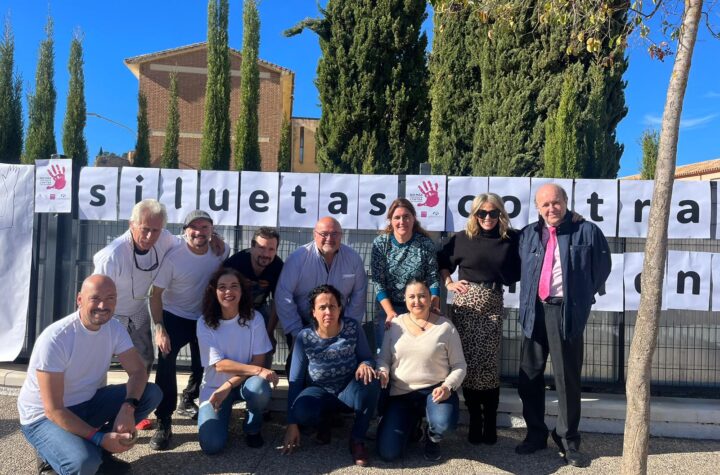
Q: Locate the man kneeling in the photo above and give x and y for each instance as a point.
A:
(67, 413)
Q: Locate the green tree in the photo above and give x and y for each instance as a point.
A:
(100, 152)
(247, 149)
(650, 141)
(74, 144)
(372, 81)
(215, 149)
(40, 140)
(11, 121)
(563, 143)
(285, 149)
(142, 144)
(170, 153)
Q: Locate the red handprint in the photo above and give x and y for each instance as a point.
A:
(430, 193)
(57, 173)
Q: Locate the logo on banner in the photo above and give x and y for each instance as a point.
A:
(427, 196)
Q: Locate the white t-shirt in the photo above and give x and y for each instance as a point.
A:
(116, 261)
(82, 355)
(184, 275)
(229, 341)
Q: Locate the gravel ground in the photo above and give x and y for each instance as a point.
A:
(668, 456)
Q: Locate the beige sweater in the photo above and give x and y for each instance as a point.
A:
(416, 362)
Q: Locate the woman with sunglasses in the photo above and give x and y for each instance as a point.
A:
(486, 254)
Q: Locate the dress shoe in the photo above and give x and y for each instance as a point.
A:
(572, 456)
(359, 453)
(161, 438)
(529, 446)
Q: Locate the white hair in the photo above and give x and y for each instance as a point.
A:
(149, 207)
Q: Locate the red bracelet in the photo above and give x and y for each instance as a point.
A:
(91, 434)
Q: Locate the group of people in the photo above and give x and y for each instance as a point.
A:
(409, 369)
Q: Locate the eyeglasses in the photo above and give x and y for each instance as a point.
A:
(152, 267)
(494, 214)
(326, 235)
(149, 269)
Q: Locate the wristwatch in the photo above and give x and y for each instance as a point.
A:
(134, 402)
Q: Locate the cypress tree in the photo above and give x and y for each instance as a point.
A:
(215, 149)
(142, 144)
(171, 154)
(372, 80)
(74, 145)
(650, 142)
(285, 149)
(247, 149)
(563, 144)
(100, 152)
(11, 122)
(40, 141)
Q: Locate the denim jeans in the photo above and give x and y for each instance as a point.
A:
(402, 414)
(380, 317)
(213, 426)
(314, 405)
(68, 453)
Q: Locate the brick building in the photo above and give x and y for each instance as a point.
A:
(303, 144)
(190, 64)
(709, 170)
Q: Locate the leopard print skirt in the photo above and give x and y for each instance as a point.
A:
(478, 317)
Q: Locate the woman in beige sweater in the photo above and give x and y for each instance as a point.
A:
(422, 361)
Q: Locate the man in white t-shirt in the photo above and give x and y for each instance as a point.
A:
(175, 306)
(67, 412)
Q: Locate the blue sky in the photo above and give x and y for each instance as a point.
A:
(114, 31)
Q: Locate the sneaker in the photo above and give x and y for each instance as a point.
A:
(112, 466)
(432, 450)
(188, 408)
(161, 438)
(359, 453)
(145, 424)
(43, 468)
(254, 441)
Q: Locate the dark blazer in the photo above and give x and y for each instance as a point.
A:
(585, 261)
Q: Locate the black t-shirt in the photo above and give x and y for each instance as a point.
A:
(262, 285)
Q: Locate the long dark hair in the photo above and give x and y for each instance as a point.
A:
(324, 289)
(212, 313)
(403, 203)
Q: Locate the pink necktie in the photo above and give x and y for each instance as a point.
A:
(547, 268)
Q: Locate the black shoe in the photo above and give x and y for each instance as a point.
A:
(161, 438)
(572, 456)
(432, 450)
(44, 468)
(489, 436)
(188, 408)
(529, 446)
(112, 466)
(254, 441)
(323, 436)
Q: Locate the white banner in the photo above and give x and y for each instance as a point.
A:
(98, 193)
(610, 297)
(687, 285)
(178, 192)
(259, 198)
(375, 194)
(635, 198)
(53, 185)
(535, 184)
(299, 199)
(715, 259)
(338, 198)
(597, 202)
(515, 193)
(427, 194)
(690, 210)
(511, 297)
(462, 190)
(16, 233)
(632, 273)
(219, 196)
(137, 184)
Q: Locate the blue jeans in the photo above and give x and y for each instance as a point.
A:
(68, 453)
(402, 414)
(314, 405)
(380, 317)
(213, 426)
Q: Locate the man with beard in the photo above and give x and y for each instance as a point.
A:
(261, 266)
(175, 306)
(67, 412)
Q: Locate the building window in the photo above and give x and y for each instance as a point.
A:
(302, 144)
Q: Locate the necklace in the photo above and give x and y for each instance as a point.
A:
(421, 327)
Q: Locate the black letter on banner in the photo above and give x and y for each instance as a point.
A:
(376, 200)
(259, 197)
(95, 193)
(298, 194)
(512, 288)
(594, 201)
(138, 189)
(225, 205)
(639, 205)
(516, 205)
(340, 206)
(462, 205)
(691, 215)
(695, 282)
(638, 282)
(178, 193)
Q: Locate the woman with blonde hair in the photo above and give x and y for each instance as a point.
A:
(486, 254)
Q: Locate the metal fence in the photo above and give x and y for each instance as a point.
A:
(686, 362)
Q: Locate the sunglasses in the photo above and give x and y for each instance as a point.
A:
(482, 214)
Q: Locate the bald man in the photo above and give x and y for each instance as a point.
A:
(563, 265)
(67, 413)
